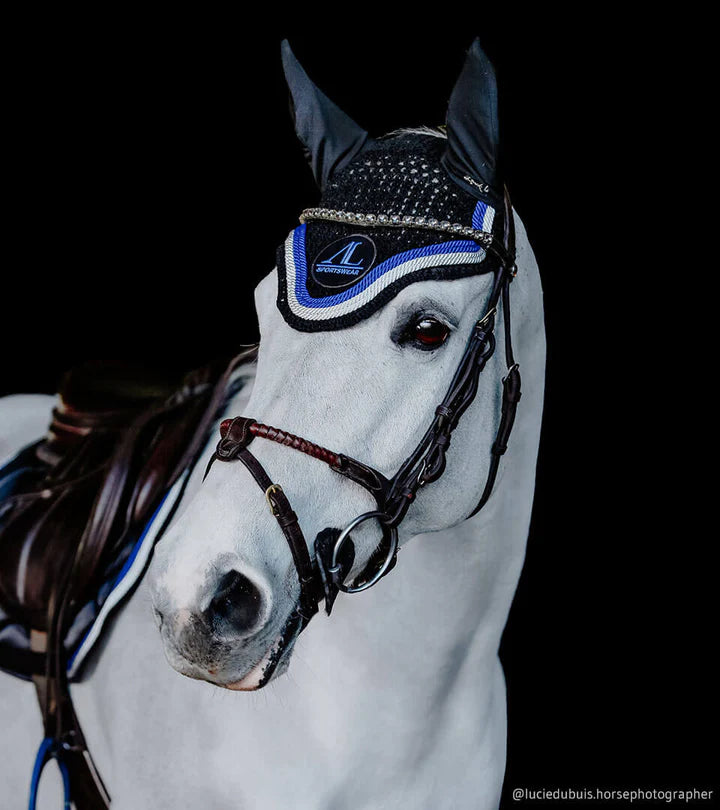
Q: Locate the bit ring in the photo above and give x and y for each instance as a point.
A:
(342, 537)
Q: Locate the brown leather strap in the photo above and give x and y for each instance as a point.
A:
(87, 789)
(59, 718)
(288, 522)
(290, 440)
(105, 510)
(236, 435)
(372, 480)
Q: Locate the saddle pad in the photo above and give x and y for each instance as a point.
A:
(88, 628)
(120, 574)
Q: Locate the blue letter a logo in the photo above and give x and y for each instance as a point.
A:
(344, 261)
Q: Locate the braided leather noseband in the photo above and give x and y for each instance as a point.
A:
(334, 551)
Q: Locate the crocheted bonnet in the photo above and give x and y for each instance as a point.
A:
(410, 206)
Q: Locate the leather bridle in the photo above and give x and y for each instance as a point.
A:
(334, 551)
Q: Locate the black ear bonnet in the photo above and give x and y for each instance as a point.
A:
(403, 208)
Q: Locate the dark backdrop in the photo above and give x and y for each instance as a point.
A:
(152, 172)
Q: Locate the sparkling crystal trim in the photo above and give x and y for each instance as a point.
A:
(396, 221)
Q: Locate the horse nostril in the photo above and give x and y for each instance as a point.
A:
(237, 604)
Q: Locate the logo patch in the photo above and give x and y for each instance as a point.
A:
(344, 262)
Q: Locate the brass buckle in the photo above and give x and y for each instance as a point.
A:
(268, 497)
(486, 317)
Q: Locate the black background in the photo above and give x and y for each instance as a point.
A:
(152, 172)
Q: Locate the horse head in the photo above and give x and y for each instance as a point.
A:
(371, 422)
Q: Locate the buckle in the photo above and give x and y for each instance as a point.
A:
(486, 317)
(334, 569)
(268, 497)
(421, 473)
(512, 368)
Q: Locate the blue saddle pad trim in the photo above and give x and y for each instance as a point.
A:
(129, 574)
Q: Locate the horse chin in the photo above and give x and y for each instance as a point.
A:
(275, 662)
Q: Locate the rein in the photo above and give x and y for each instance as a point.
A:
(142, 461)
(334, 551)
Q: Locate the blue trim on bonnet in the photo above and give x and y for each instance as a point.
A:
(303, 297)
(478, 217)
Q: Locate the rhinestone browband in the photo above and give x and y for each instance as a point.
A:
(397, 221)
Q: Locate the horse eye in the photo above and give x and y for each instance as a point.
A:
(430, 332)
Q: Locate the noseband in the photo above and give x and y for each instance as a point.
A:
(334, 551)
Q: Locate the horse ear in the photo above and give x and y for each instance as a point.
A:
(330, 138)
(472, 124)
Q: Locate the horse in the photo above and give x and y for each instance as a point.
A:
(396, 698)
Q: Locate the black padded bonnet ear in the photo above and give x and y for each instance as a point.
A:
(472, 126)
(330, 137)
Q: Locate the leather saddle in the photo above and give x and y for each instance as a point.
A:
(72, 507)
